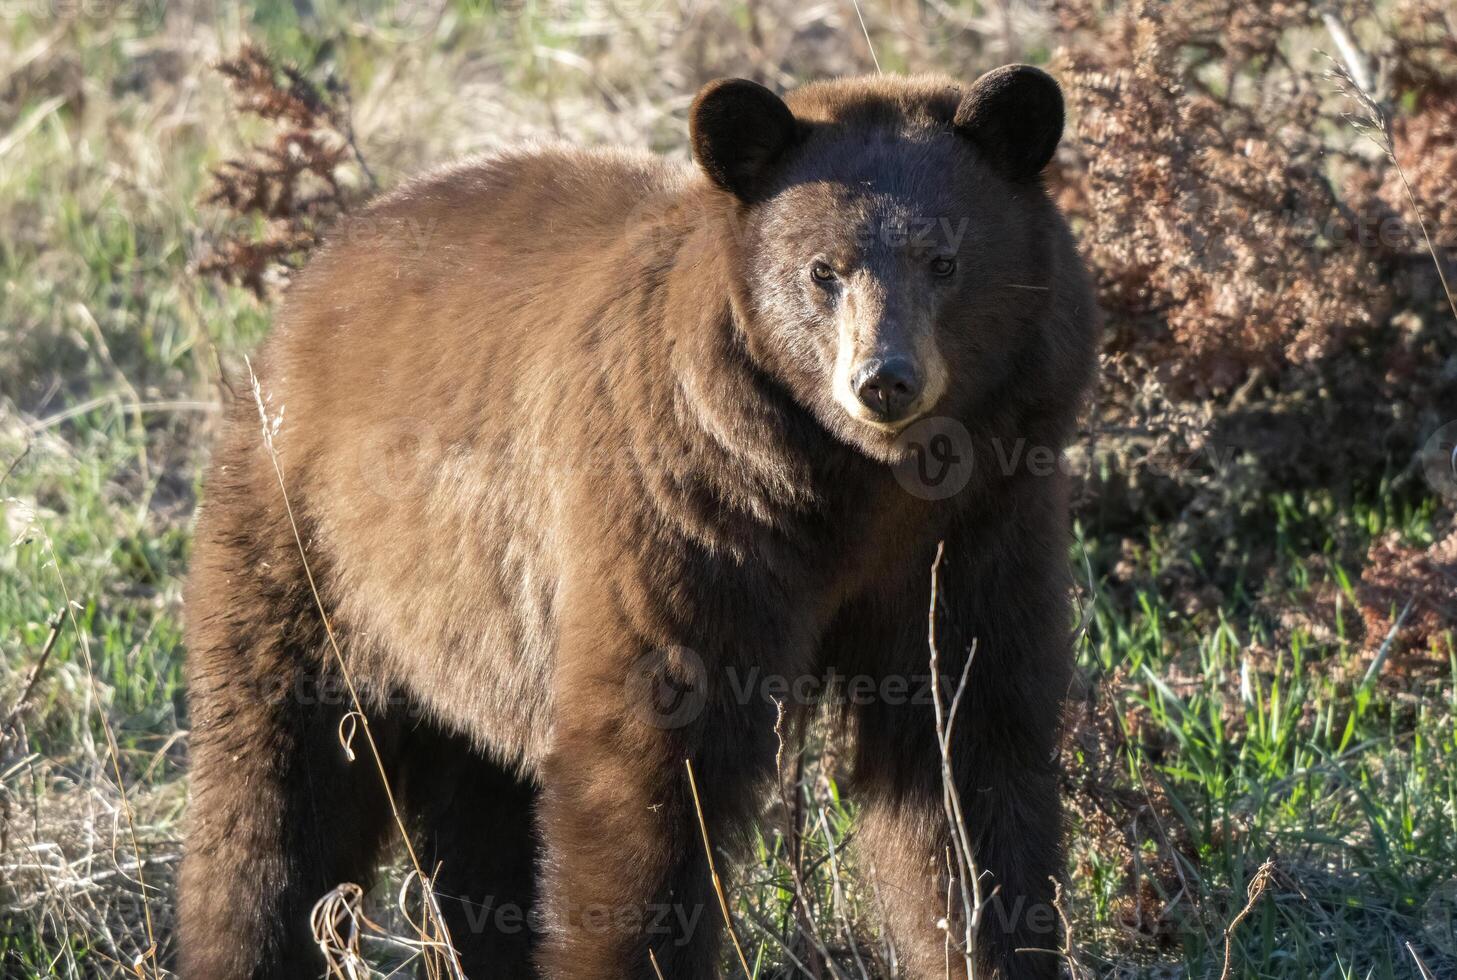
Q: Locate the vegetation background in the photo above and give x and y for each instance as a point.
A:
(1268, 196)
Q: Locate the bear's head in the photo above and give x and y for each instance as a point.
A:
(893, 245)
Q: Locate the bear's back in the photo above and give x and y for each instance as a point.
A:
(433, 366)
(466, 290)
(513, 221)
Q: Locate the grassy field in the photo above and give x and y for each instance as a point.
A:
(1235, 707)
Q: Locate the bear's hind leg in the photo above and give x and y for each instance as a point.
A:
(279, 815)
(475, 836)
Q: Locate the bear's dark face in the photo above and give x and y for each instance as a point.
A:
(887, 238)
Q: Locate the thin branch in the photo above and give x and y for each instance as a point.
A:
(969, 877)
(1426, 971)
(803, 912)
(270, 428)
(866, 31)
(1256, 888)
(1357, 84)
(839, 896)
(15, 463)
(728, 919)
(54, 623)
(149, 955)
(1355, 64)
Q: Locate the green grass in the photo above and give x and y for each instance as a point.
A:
(1343, 783)
(1232, 738)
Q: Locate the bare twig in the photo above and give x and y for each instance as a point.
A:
(433, 916)
(1376, 126)
(1256, 888)
(15, 463)
(967, 875)
(866, 31)
(803, 911)
(148, 955)
(1074, 969)
(723, 906)
(1426, 971)
(54, 623)
(1384, 651)
(1355, 64)
(346, 125)
(839, 895)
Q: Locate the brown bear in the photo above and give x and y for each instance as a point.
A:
(582, 445)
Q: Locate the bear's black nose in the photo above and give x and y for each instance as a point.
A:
(887, 387)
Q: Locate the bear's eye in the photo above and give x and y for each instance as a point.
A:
(943, 265)
(821, 272)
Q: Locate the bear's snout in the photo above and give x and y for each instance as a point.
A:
(888, 387)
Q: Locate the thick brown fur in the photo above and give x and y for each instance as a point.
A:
(559, 419)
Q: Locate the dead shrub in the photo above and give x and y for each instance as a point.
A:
(1259, 261)
(1219, 243)
(1415, 588)
(291, 185)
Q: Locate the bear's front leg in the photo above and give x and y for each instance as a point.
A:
(1002, 590)
(1013, 820)
(625, 869)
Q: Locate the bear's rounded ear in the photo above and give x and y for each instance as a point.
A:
(1014, 116)
(738, 128)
